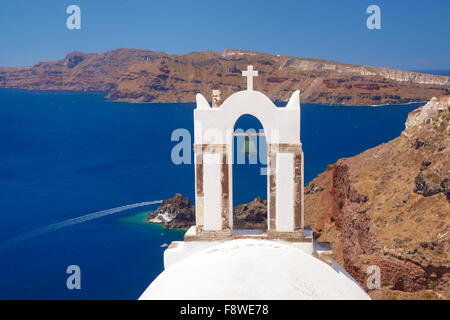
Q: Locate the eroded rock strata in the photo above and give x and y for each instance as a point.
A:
(389, 206)
(148, 76)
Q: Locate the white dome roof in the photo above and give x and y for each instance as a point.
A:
(252, 269)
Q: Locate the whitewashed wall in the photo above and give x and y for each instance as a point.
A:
(212, 190)
(284, 194)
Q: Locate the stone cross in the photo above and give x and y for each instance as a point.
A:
(249, 73)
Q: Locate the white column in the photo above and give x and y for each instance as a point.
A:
(284, 219)
(212, 190)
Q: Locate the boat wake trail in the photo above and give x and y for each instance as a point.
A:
(70, 222)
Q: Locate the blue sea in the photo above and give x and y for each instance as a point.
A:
(66, 157)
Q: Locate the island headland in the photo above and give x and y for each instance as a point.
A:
(147, 76)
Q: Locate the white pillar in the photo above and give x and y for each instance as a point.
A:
(284, 192)
(212, 190)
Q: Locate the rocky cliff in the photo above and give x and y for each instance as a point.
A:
(145, 76)
(177, 212)
(252, 215)
(390, 207)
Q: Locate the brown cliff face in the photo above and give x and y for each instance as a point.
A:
(77, 71)
(390, 207)
(146, 76)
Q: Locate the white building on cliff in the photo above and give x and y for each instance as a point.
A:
(215, 261)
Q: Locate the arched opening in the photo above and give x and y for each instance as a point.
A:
(249, 176)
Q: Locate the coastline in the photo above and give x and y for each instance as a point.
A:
(105, 96)
(141, 218)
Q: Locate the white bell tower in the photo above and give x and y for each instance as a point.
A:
(213, 146)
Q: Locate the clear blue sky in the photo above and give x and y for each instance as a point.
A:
(415, 35)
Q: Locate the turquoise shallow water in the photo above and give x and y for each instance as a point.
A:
(66, 154)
